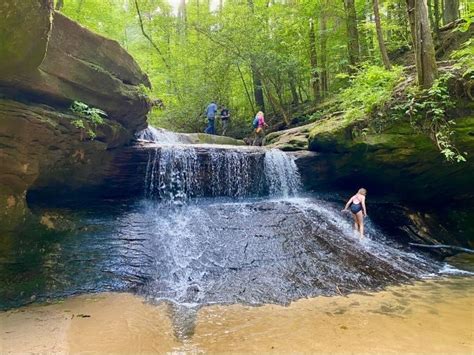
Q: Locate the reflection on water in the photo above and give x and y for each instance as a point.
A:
(428, 316)
(249, 251)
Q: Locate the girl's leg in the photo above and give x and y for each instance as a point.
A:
(360, 222)
(356, 223)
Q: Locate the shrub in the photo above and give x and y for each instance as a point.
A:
(369, 89)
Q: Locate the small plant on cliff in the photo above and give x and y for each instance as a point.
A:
(87, 117)
(427, 110)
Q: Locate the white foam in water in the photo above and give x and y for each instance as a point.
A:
(374, 241)
(451, 270)
(161, 136)
(178, 172)
(171, 173)
(281, 173)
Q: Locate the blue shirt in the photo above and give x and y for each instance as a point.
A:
(211, 110)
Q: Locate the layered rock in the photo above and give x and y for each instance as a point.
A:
(83, 66)
(398, 160)
(47, 62)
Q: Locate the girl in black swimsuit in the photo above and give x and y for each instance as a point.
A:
(357, 203)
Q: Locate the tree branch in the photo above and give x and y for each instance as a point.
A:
(160, 53)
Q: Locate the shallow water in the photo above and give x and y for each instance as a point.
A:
(426, 317)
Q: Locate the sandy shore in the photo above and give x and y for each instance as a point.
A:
(427, 317)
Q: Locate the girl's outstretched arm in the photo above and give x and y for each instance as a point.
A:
(363, 207)
(348, 203)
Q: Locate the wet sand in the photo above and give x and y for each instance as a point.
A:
(426, 317)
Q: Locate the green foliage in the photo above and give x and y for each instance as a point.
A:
(428, 112)
(201, 52)
(371, 88)
(468, 18)
(465, 59)
(87, 116)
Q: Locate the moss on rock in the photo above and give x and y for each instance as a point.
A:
(203, 138)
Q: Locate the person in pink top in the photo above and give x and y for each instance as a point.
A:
(359, 212)
(259, 124)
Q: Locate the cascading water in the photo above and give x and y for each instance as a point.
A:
(281, 174)
(249, 249)
(180, 172)
(162, 136)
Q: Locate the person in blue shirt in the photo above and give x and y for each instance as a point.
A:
(211, 111)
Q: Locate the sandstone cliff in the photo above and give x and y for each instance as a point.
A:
(48, 61)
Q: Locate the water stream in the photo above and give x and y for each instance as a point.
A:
(213, 225)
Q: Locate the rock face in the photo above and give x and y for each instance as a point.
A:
(47, 63)
(292, 139)
(397, 160)
(80, 65)
(23, 39)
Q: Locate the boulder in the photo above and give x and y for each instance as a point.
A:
(292, 139)
(82, 66)
(24, 33)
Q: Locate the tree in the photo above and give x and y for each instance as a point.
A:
(437, 16)
(423, 42)
(352, 33)
(59, 5)
(257, 80)
(378, 27)
(323, 40)
(315, 80)
(451, 11)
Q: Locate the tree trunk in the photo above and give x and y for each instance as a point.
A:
(294, 93)
(183, 18)
(378, 27)
(437, 16)
(352, 34)
(59, 5)
(364, 45)
(411, 20)
(424, 48)
(257, 89)
(389, 20)
(245, 87)
(257, 80)
(451, 11)
(323, 40)
(315, 80)
(430, 12)
(276, 104)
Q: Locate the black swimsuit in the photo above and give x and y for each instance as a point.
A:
(356, 207)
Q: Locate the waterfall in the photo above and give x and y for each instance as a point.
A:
(161, 136)
(281, 174)
(180, 172)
